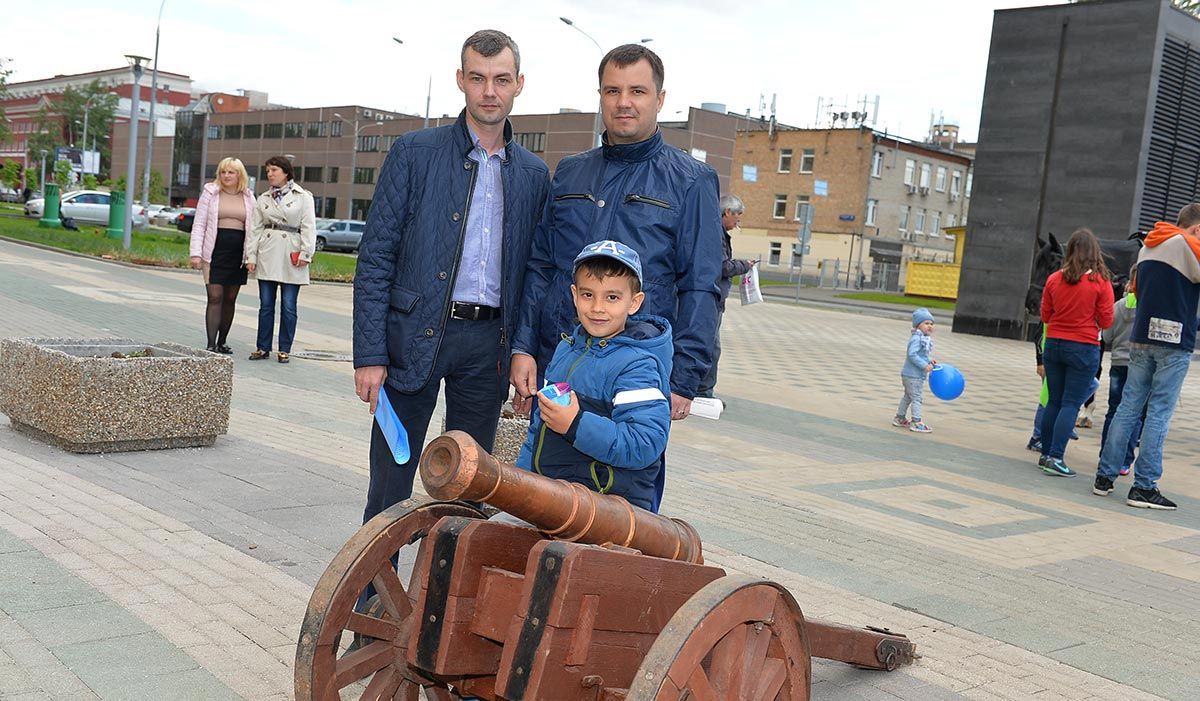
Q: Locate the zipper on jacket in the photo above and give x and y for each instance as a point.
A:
(462, 230)
(647, 200)
(537, 454)
(575, 196)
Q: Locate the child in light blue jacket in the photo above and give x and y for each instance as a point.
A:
(918, 362)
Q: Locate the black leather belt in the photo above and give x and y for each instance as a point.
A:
(473, 312)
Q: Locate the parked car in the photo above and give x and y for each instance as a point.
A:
(9, 195)
(166, 216)
(340, 234)
(85, 207)
(184, 220)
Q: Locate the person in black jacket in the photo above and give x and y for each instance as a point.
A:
(731, 218)
(442, 265)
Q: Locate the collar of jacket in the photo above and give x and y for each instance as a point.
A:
(631, 153)
(463, 135)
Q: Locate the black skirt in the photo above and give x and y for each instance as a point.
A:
(226, 267)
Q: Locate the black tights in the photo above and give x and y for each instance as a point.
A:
(218, 317)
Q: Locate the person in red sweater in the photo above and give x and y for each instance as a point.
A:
(1077, 304)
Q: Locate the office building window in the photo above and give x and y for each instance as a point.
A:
(533, 141)
(272, 131)
(367, 143)
(364, 176)
(330, 208)
(233, 131)
(910, 171)
(940, 183)
(801, 200)
(214, 131)
(316, 128)
(925, 171)
(252, 131)
(877, 165)
(951, 219)
(956, 182)
(313, 174)
(210, 172)
(935, 223)
(776, 252)
(359, 209)
(919, 220)
(780, 207)
(785, 160)
(335, 128)
(807, 160)
(970, 176)
(903, 218)
(293, 130)
(872, 206)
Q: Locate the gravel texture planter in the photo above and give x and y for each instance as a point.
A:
(72, 393)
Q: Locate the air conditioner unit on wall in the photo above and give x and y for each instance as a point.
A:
(911, 189)
(925, 190)
(953, 196)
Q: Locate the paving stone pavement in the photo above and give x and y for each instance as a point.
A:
(185, 573)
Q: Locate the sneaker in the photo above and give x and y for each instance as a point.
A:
(900, 422)
(1149, 499)
(1034, 444)
(919, 427)
(1123, 471)
(1056, 467)
(1103, 486)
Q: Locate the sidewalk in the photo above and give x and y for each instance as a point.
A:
(185, 574)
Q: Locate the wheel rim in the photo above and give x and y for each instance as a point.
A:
(737, 638)
(322, 670)
(320, 244)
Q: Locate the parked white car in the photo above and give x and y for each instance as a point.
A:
(85, 206)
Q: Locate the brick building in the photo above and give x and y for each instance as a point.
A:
(876, 199)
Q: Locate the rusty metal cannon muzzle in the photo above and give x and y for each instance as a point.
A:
(453, 466)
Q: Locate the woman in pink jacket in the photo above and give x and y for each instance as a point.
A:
(224, 214)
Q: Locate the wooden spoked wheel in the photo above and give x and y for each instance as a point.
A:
(738, 638)
(325, 669)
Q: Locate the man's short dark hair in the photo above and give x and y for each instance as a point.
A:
(488, 43)
(629, 54)
(1189, 216)
(601, 267)
(279, 162)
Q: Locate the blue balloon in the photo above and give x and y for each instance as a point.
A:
(946, 382)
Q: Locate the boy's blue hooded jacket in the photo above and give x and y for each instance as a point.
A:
(617, 442)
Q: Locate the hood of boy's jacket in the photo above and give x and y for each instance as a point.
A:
(649, 331)
(1163, 231)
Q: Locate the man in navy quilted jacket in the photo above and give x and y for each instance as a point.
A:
(646, 194)
(442, 266)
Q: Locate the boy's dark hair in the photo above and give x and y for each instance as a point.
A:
(1189, 216)
(281, 163)
(629, 54)
(601, 267)
(488, 43)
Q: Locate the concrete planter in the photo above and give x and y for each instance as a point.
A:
(71, 393)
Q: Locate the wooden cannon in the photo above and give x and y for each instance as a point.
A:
(602, 602)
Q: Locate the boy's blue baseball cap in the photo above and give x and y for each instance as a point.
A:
(615, 250)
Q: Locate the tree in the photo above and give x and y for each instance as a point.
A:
(47, 135)
(5, 130)
(10, 175)
(90, 182)
(62, 173)
(158, 191)
(100, 105)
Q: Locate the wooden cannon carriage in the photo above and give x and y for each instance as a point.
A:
(605, 602)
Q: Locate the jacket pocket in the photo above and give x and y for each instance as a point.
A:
(575, 196)
(403, 300)
(634, 198)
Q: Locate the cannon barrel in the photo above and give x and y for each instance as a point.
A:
(453, 466)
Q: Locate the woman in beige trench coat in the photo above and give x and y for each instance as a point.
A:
(279, 247)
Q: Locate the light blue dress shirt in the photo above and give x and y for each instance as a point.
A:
(479, 274)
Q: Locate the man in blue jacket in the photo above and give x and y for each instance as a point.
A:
(648, 195)
(442, 265)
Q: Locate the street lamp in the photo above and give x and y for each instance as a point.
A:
(353, 158)
(42, 182)
(87, 106)
(428, 90)
(153, 99)
(135, 65)
(596, 128)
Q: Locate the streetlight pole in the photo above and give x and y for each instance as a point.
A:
(153, 99)
(135, 64)
(596, 128)
(428, 90)
(353, 158)
(42, 182)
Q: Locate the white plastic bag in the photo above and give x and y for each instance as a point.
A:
(751, 294)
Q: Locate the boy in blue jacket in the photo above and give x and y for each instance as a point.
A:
(918, 361)
(612, 435)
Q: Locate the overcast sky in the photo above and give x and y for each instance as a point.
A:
(918, 56)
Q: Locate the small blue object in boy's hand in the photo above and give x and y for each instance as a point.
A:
(393, 430)
(946, 382)
(559, 393)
